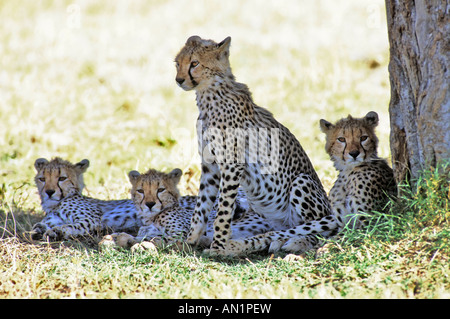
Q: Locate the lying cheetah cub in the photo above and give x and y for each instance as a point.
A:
(364, 184)
(69, 213)
(156, 197)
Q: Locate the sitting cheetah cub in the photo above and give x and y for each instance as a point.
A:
(242, 146)
(364, 184)
(156, 197)
(70, 214)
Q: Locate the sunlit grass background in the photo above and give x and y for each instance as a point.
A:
(95, 79)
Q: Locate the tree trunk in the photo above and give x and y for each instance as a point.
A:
(419, 70)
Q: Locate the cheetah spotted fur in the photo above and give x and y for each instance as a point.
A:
(156, 197)
(69, 214)
(241, 144)
(364, 184)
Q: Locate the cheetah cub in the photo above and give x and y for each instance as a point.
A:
(243, 146)
(156, 197)
(365, 181)
(364, 184)
(69, 214)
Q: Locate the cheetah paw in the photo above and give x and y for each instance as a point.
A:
(122, 240)
(145, 246)
(195, 235)
(38, 231)
(232, 248)
(293, 258)
(327, 249)
(54, 234)
(275, 246)
(214, 252)
(297, 245)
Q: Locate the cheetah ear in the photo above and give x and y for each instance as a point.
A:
(39, 163)
(82, 166)
(325, 126)
(175, 175)
(133, 175)
(224, 46)
(195, 39)
(225, 43)
(371, 118)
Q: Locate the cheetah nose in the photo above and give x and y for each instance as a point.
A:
(354, 154)
(150, 205)
(179, 80)
(50, 192)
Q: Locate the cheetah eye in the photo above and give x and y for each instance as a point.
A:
(42, 179)
(363, 138)
(140, 191)
(161, 190)
(341, 139)
(194, 64)
(62, 179)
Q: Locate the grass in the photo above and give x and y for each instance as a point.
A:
(96, 80)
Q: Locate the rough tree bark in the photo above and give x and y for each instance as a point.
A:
(419, 70)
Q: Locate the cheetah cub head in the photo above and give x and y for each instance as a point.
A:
(351, 141)
(200, 62)
(58, 179)
(154, 191)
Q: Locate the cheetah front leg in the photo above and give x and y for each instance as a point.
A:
(229, 183)
(80, 227)
(50, 221)
(209, 187)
